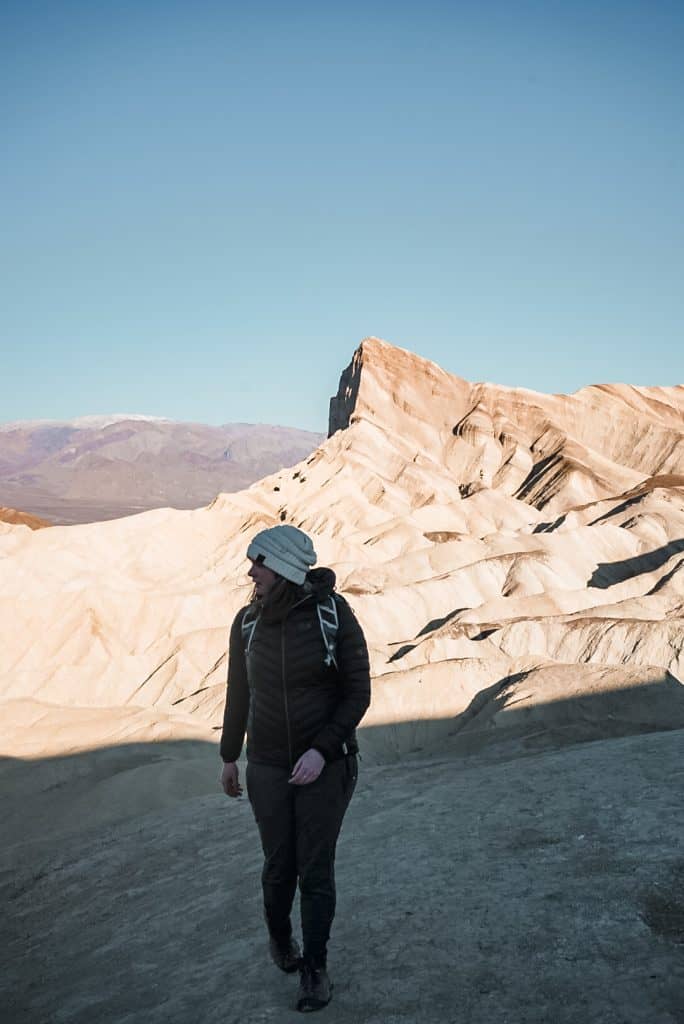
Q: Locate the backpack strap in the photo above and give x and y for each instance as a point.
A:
(329, 622)
(327, 618)
(248, 625)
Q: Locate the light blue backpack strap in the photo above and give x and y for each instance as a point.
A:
(248, 625)
(329, 621)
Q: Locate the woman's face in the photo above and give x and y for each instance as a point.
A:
(263, 578)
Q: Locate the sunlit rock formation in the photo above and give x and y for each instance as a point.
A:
(516, 559)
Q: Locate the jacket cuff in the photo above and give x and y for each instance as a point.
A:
(229, 756)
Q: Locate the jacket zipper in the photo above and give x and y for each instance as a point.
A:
(283, 673)
(287, 712)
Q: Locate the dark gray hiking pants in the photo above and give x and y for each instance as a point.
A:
(299, 826)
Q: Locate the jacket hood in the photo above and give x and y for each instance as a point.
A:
(320, 582)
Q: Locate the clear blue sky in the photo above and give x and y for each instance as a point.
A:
(207, 205)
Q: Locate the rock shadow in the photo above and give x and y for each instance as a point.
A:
(503, 720)
(607, 574)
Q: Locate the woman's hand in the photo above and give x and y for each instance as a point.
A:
(230, 780)
(308, 768)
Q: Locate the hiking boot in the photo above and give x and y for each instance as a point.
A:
(315, 988)
(285, 955)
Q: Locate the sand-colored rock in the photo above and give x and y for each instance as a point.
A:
(473, 528)
(17, 518)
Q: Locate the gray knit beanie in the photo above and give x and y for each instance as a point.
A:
(285, 550)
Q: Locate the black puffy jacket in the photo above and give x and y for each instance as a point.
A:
(284, 694)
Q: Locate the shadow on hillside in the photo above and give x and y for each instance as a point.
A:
(634, 496)
(430, 627)
(503, 720)
(607, 574)
(535, 475)
(47, 801)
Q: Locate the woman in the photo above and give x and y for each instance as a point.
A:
(300, 691)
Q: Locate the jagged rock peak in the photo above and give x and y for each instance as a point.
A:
(552, 451)
(381, 375)
(380, 372)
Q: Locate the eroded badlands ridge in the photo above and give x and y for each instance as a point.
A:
(517, 561)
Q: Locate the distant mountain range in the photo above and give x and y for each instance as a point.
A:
(102, 467)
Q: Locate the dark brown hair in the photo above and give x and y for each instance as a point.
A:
(278, 601)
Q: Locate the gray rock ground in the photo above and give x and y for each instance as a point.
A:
(516, 890)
